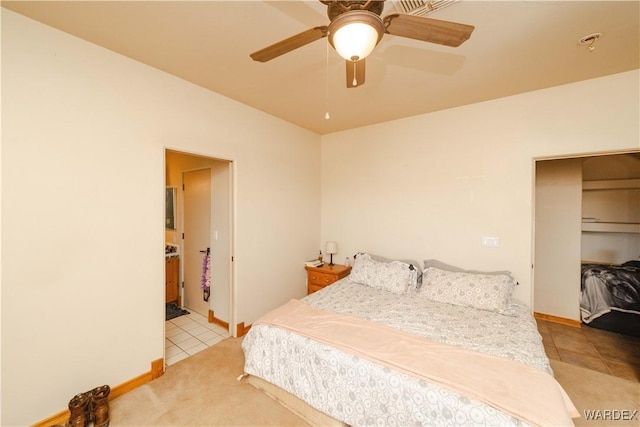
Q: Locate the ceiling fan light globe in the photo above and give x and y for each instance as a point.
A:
(355, 41)
(355, 34)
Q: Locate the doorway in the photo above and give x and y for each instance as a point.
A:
(562, 240)
(569, 232)
(203, 223)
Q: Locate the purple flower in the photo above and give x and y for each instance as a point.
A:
(206, 272)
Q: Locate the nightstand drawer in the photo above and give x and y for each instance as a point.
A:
(313, 288)
(321, 279)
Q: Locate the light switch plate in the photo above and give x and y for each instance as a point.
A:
(490, 241)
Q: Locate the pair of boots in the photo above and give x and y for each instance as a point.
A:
(91, 407)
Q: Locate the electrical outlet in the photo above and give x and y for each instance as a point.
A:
(492, 242)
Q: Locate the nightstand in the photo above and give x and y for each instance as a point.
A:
(319, 277)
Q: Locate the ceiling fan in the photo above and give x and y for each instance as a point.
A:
(356, 28)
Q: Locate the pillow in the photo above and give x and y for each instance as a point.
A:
(491, 292)
(416, 280)
(442, 266)
(392, 276)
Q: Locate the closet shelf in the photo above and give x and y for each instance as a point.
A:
(611, 184)
(611, 227)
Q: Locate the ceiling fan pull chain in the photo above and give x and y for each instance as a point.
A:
(326, 114)
(355, 82)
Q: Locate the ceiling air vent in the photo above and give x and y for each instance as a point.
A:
(421, 7)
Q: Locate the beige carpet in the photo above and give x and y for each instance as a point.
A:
(202, 390)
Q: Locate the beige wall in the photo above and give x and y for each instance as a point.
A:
(612, 248)
(84, 133)
(431, 186)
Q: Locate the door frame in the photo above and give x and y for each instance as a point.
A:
(232, 225)
(534, 162)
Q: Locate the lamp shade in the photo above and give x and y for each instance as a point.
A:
(355, 34)
(331, 248)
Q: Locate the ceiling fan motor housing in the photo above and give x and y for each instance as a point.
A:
(336, 8)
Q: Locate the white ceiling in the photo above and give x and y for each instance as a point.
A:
(517, 46)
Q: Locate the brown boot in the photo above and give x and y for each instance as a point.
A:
(100, 406)
(79, 410)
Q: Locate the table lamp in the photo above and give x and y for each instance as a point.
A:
(331, 248)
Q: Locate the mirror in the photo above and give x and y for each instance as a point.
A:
(170, 208)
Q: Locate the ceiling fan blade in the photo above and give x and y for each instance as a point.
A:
(428, 29)
(287, 45)
(355, 69)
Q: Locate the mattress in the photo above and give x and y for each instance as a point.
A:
(360, 392)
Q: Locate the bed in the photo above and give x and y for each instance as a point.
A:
(610, 297)
(391, 328)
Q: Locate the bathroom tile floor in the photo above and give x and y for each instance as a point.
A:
(186, 335)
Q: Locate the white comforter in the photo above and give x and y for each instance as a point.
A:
(360, 392)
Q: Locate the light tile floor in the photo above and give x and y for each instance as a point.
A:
(186, 335)
(596, 349)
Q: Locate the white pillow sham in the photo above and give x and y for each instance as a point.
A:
(448, 267)
(491, 292)
(394, 276)
(414, 266)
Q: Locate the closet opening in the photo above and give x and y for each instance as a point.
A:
(587, 240)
